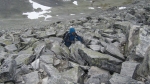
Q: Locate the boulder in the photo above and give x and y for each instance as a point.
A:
(114, 51)
(51, 71)
(143, 41)
(50, 32)
(39, 47)
(36, 64)
(123, 25)
(24, 59)
(26, 51)
(25, 69)
(56, 48)
(94, 42)
(128, 68)
(95, 47)
(45, 80)
(11, 48)
(89, 55)
(31, 78)
(119, 79)
(62, 65)
(130, 17)
(100, 60)
(97, 76)
(74, 54)
(65, 52)
(111, 66)
(74, 75)
(8, 70)
(60, 33)
(144, 69)
(48, 59)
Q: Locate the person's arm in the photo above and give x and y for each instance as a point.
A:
(79, 38)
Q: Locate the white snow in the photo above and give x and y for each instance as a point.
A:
(36, 15)
(81, 13)
(120, 8)
(72, 14)
(98, 7)
(91, 7)
(75, 2)
(36, 6)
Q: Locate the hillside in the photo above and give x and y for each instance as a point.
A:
(115, 50)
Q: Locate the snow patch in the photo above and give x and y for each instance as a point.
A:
(36, 6)
(36, 15)
(120, 8)
(91, 8)
(75, 2)
(72, 14)
(81, 13)
(98, 7)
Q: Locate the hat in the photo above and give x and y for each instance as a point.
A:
(71, 30)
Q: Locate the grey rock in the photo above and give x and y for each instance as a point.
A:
(39, 47)
(48, 59)
(31, 78)
(97, 71)
(62, 65)
(130, 17)
(133, 40)
(50, 70)
(124, 25)
(128, 68)
(74, 54)
(1, 49)
(119, 79)
(95, 47)
(7, 70)
(110, 66)
(121, 38)
(36, 64)
(24, 59)
(25, 69)
(26, 51)
(108, 31)
(56, 62)
(52, 39)
(46, 33)
(91, 56)
(5, 41)
(56, 48)
(65, 51)
(11, 47)
(97, 76)
(50, 32)
(74, 75)
(86, 24)
(60, 33)
(94, 42)
(114, 51)
(143, 69)
(28, 31)
(143, 42)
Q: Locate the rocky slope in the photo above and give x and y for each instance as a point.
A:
(116, 50)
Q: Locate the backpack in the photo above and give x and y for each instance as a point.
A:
(65, 35)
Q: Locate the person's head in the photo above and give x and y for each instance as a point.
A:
(72, 31)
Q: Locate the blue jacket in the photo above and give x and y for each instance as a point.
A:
(70, 38)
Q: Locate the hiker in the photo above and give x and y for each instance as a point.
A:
(70, 37)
